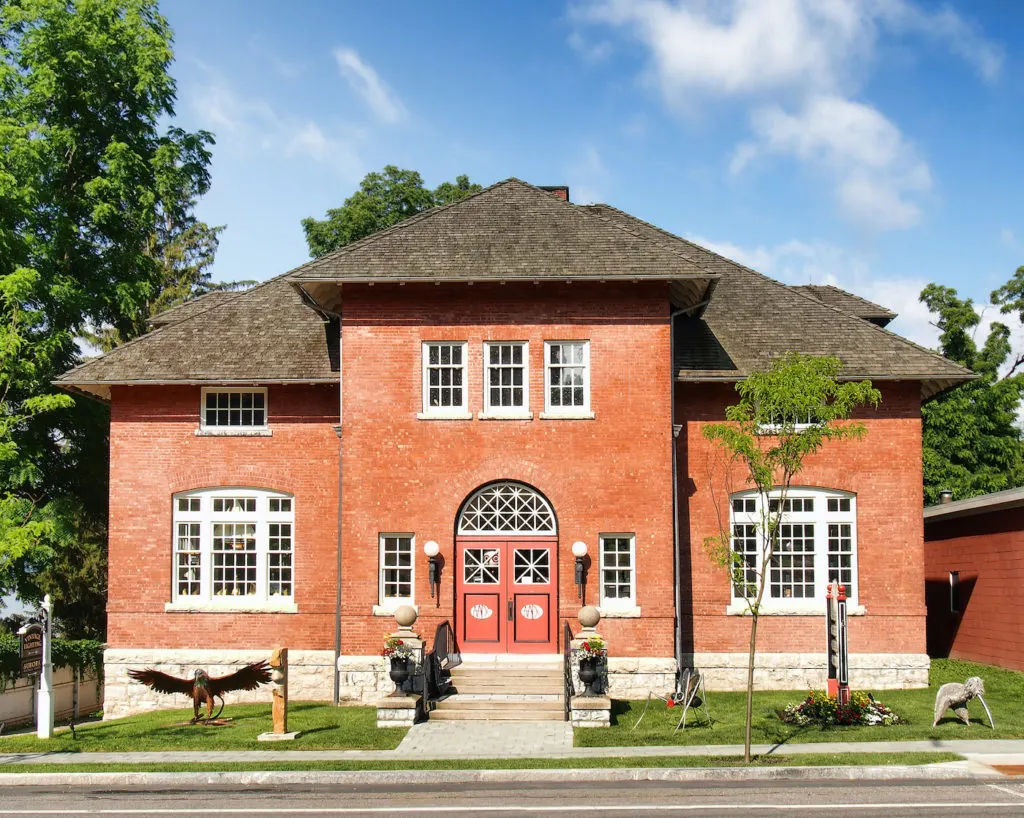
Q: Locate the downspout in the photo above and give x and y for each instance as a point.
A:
(337, 595)
(676, 567)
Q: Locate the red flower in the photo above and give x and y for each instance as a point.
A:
(671, 703)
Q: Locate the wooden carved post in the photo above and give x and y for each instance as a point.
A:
(279, 675)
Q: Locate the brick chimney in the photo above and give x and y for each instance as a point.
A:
(561, 191)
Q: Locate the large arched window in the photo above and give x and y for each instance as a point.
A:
(817, 542)
(233, 547)
(507, 508)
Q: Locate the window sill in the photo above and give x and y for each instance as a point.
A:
(389, 609)
(444, 415)
(239, 432)
(741, 609)
(504, 416)
(631, 612)
(230, 607)
(566, 415)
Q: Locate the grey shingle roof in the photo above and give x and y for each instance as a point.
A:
(266, 334)
(753, 319)
(511, 230)
(190, 308)
(848, 302)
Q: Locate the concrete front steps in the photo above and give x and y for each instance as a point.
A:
(505, 690)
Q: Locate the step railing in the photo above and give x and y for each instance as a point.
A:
(570, 689)
(434, 671)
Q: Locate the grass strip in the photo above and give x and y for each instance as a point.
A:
(799, 760)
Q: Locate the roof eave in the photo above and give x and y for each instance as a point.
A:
(985, 504)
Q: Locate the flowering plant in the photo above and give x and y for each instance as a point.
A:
(395, 648)
(824, 710)
(592, 648)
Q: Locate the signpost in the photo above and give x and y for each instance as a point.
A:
(35, 661)
(836, 634)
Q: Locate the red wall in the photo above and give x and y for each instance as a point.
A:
(883, 469)
(154, 453)
(609, 474)
(988, 551)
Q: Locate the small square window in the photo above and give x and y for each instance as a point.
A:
(229, 409)
(188, 504)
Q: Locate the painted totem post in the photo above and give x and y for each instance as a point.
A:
(279, 675)
(836, 634)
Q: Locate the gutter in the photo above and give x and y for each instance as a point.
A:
(676, 566)
(337, 594)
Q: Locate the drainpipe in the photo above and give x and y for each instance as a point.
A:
(337, 595)
(676, 568)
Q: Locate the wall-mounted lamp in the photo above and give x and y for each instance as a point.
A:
(579, 550)
(431, 549)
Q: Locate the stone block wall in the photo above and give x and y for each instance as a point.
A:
(310, 676)
(807, 671)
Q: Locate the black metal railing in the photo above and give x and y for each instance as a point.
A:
(570, 689)
(433, 674)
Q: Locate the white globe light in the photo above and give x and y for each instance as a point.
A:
(430, 548)
(579, 549)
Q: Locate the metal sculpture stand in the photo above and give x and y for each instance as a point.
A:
(955, 696)
(690, 695)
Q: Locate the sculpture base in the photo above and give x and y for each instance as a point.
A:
(278, 736)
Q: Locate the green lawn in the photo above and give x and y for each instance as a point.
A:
(1004, 692)
(800, 760)
(323, 727)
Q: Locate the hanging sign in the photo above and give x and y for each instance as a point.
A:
(31, 650)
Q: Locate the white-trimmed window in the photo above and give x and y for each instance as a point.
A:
(444, 378)
(567, 378)
(618, 571)
(233, 410)
(817, 542)
(233, 547)
(506, 378)
(397, 571)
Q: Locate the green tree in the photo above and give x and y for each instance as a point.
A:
(89, 178)
(972, 441)
(383, 199)
(765, 438)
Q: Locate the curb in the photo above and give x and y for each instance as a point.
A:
(946, 771)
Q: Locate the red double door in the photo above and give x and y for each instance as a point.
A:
(506, 595)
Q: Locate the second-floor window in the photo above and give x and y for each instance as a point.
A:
(567, 377)
(444, 377)
(234, 409)
(506, 378)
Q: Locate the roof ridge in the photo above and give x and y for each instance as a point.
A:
(387, 231)
(838, 289)
(172, 325)
(788, 289)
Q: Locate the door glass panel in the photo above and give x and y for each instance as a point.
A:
(481, 566)
(532, 566)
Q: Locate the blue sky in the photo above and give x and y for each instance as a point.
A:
(875, 144)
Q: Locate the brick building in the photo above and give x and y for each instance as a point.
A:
(504, 377)
(974, 572)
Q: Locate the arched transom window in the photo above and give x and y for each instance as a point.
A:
(507, 508)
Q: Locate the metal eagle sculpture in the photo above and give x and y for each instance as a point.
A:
(204, 688)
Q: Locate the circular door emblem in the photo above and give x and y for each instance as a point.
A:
(480, 612)
(532, 612)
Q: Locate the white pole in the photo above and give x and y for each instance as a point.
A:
(44, 704)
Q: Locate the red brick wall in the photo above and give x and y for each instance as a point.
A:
(609, 474)
(154, 453)
(883, 469)
(988, 551)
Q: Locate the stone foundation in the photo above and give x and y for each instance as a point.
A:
(634, 678)
(806, 671)
(364, 679)
(310, 676)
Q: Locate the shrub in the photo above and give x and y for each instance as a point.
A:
(824, 710)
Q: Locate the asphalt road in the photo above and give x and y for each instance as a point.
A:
(604, 799)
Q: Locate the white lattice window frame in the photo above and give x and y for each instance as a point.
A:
(504, 507)
(492, 412)
(251, 429)
(820, 517)
(613, 604)
(582, 411)
(454, 412)
(391, 602)
(196, 508)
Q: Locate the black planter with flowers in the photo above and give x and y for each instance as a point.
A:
(399, 655)
(399, 670)
(591, 654)
(589, 675)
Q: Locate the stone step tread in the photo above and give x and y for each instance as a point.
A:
(487, 715)
(456, 703)
(515, 672)
(515, 697)
(509, 690)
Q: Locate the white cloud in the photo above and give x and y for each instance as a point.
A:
(361, 77)
(588, 177)
(590, 51)
(798, 65)
(1009, 239)
(310, 141)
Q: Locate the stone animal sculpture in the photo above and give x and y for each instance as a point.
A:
(955, 696)
(203, 687)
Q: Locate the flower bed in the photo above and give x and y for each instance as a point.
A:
(824, 710)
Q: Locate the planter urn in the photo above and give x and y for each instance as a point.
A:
(399, 671)
(589, 674)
